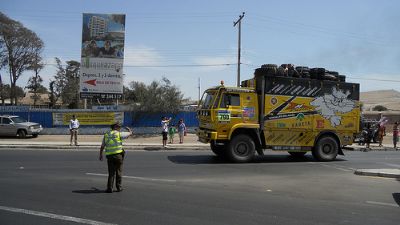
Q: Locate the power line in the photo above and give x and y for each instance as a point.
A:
(373, 79)
(157, 66)
(285, 24)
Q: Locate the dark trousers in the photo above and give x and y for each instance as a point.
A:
(114, 163)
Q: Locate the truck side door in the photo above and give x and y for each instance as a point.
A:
(231, 102)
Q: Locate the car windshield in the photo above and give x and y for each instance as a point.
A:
(207, 99)
(18, 119)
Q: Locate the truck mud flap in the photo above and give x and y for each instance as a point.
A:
(340, 152)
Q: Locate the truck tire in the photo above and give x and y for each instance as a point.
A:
(317, 73)
(329, 76)
(326, 149)
(241, 149)
(21, 134)
(297, 154)
(218, 150)
(266, 70)
(269, 66)
(304, 71)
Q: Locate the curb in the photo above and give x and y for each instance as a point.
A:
(389, 173)
(373, 148)
(96, 147)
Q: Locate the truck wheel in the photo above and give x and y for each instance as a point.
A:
(326, 149)
(241, 149)
(21, 134)
(218, 150)
(297, 154)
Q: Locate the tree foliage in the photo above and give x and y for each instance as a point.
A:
(70, 95)
(35, 82)
(19, 48)
(5, 92)
(379, 108)
(159, 96)
(65, 85)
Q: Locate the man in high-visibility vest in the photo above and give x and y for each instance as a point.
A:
(112, 145)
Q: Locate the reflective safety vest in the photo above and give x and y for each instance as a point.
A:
(113, 142)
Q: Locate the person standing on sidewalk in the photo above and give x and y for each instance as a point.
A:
(171, 133)
(164, 132)
(368, 137)
(181, 130)
(381, 133)
(112, 144)
(395, 134)
(73, 130)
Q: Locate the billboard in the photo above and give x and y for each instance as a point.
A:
(102, 56)
(88, 118)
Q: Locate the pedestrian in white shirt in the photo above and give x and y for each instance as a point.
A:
(73, 130)
(164, 130)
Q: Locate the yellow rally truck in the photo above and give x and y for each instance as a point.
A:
(297, 110)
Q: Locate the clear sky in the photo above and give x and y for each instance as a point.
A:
(185, 40)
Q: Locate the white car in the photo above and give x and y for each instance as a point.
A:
(17, 126)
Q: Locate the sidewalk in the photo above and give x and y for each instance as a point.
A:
(149, 142)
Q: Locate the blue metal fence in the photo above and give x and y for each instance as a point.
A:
(135, 119)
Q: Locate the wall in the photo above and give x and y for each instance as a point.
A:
(132, 119)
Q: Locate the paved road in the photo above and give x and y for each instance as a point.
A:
(194, 187)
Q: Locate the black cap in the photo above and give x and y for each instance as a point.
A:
(116, 124)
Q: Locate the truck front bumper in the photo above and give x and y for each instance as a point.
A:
(206, 136)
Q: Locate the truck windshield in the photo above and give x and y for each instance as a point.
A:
(208, 99)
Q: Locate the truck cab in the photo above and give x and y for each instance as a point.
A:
(225, 112)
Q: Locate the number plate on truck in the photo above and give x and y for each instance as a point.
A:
(224, 116)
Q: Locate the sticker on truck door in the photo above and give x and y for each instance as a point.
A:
(224, 116)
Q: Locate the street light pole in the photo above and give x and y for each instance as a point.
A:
(239, 21)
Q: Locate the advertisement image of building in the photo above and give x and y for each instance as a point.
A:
(97, 26)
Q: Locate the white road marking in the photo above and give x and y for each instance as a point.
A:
(54, 216)
(382, 203)
(337, 167)
(132, 177)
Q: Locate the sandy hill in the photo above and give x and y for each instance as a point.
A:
(388, 98)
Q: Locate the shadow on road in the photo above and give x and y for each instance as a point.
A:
(211, 159)
(93, 190)
(17, 138)
(196, 159)
(396, 197)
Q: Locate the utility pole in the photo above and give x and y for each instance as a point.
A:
(239, 21)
